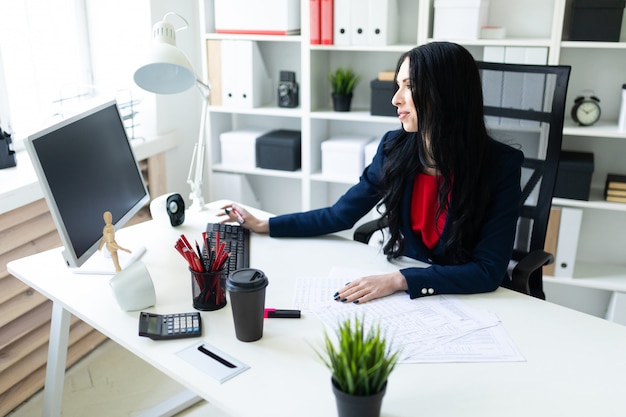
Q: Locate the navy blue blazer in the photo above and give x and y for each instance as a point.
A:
(490, 256)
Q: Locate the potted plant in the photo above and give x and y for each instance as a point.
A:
(342, 83)
(360, 364)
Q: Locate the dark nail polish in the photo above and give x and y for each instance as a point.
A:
(336, 294)
(336, 297)
(343, 300)
(356, 301)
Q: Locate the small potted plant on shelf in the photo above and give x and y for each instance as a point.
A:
(360, 364)
(342, 83)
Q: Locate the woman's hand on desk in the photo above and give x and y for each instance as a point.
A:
(371, 287)
(235, 213)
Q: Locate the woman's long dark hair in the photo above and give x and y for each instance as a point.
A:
(447, 93)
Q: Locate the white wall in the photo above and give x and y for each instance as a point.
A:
(181, 111)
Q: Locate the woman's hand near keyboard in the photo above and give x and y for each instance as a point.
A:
(235, 213)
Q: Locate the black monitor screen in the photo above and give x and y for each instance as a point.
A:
(86, 166)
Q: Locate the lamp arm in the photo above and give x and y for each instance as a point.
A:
(196, 168)
(205, 89)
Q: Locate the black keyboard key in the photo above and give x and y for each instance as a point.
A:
(237, 243)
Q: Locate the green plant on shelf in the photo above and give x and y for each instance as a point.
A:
(343, 81)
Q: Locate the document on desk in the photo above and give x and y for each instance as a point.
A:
(438, 328)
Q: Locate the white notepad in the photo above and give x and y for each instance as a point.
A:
(210, 366)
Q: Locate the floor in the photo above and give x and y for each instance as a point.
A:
(112, 382)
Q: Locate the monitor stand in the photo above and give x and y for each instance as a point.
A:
(101, 264)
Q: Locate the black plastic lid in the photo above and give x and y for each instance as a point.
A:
(599, 4)
(246, 280)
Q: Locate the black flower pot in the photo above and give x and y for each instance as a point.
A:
(342, 102)
(358, 405)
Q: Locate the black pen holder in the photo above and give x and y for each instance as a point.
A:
(7, 155)
(208, 290)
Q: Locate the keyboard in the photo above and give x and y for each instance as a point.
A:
(237, 240)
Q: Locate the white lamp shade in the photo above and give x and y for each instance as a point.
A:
(167, 71)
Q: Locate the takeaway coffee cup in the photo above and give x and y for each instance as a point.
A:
(246, 289)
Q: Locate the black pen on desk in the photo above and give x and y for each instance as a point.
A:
(218, 358)
(273, 313)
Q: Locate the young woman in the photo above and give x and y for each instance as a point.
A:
(449, 192)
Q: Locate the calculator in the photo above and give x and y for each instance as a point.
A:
(170, 326)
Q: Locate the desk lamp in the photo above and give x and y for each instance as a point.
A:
(168, 71)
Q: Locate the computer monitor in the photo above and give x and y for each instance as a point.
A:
(86, 166)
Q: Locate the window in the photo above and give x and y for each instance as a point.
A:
(44, 46)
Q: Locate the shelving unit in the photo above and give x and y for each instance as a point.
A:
(532, 23)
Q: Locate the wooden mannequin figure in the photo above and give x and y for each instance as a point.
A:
(108, 238)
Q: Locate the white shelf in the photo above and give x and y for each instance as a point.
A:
(257, 38)
(355, 116)
(316, 60)
(273, 111)
(258, 171)
(609, 277)
(596, 201)
(602, 129)
(530, 42)
(593, 45)
(401, 48)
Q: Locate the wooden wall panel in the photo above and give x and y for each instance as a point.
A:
(25, 314)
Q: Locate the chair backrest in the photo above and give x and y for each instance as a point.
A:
(524, 107)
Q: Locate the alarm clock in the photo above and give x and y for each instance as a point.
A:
(586, 110)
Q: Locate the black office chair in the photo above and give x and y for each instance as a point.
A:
(524, 107)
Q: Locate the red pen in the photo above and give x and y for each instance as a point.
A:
(273, 313)
(240, 218)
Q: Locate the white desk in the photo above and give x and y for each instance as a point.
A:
(576, 364)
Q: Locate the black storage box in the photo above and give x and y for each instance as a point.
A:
(573, 179)
(382, 92)
(279, 149)
(596, 20)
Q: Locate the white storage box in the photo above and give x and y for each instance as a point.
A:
(268, 17)
(459, 19)
(239, 147)
(370, 151)
(342, 156)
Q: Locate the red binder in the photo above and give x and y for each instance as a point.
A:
(326, 23)
(315, 22)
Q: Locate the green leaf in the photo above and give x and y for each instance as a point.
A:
(361, 361)
(343, 80)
